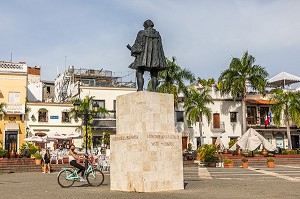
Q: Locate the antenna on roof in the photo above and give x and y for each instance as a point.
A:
(65, 63)
(10, 57)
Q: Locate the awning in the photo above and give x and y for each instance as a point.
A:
(11, 127)
(283, 79)
(260, 102)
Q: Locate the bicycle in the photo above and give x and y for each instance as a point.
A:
(67, 176)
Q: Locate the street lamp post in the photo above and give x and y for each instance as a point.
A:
(86, 113)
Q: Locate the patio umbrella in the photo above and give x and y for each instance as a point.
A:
(219, 143)
(57, 136)
(73, 135)
(36, 139)
(283, 79)
(251, 140)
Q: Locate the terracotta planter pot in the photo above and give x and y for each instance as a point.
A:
(228, 165)
(271, 164)
(245, 165)
(38, 161)
(211, 164)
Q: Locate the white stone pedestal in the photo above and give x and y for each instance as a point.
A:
(146, 153)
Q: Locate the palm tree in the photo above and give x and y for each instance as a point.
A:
(172, 79)
(85, 109)
(286, 107)
(196, 107)
(206, 83)
(240, 74)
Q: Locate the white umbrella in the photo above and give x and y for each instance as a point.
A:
(57, 136)
(283, 79)
(74, 135)
(219, 143)
(36, 139)
(251, 140)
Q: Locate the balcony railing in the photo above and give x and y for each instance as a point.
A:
(14, 108)
(217, 128)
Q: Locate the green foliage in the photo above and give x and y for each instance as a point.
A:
(289, 152)
(2, 108)
(244, 160)
(37, 156)
(173, 80)
(270, 159)
(189, 148)
(232, 142)
(242, 71)
(3, 153)
(227, 161)
(106, 138)
(85, 109)
(28, 149)
(286, 109)
(207, 152)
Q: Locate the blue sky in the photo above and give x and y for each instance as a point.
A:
(202, 35)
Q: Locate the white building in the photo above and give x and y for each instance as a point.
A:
(102, 86)
(45, 118)
(226, 121)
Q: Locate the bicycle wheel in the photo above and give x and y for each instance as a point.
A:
(95, 177)
(63, 178)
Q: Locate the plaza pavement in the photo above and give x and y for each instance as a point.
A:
(261, 182)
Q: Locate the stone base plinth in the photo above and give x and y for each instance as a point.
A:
(146, 162)
(145, 112)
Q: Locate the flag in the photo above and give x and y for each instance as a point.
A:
(270, 117)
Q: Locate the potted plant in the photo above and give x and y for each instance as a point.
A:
(38, 158)
(245, 163)
(228, 163)
(207, 154)
(270, 162)
(3, 153)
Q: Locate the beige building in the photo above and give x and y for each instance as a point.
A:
(13, 83)
(46, 118)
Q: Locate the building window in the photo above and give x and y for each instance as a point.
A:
(43, 115)
(233, 116)
(114, 109)
(65, 117)
(101, 104)
(14, 97)
(179, 116)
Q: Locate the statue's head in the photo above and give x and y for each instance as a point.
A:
(148, 23)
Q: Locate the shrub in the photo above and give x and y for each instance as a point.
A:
(227, 161)
(231, 143)
(270, 160)
(37, 156)
(3, 153)
(244, 160)
(207, 152)
(28, 149)
(189, 148)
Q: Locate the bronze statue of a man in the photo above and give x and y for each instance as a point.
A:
(149, 55)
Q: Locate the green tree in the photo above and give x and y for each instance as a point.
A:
(195, 105)
(286, 108)
(172, 79)
(85, 109)
(240, 74)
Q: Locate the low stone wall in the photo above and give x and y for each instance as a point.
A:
(16, 161)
